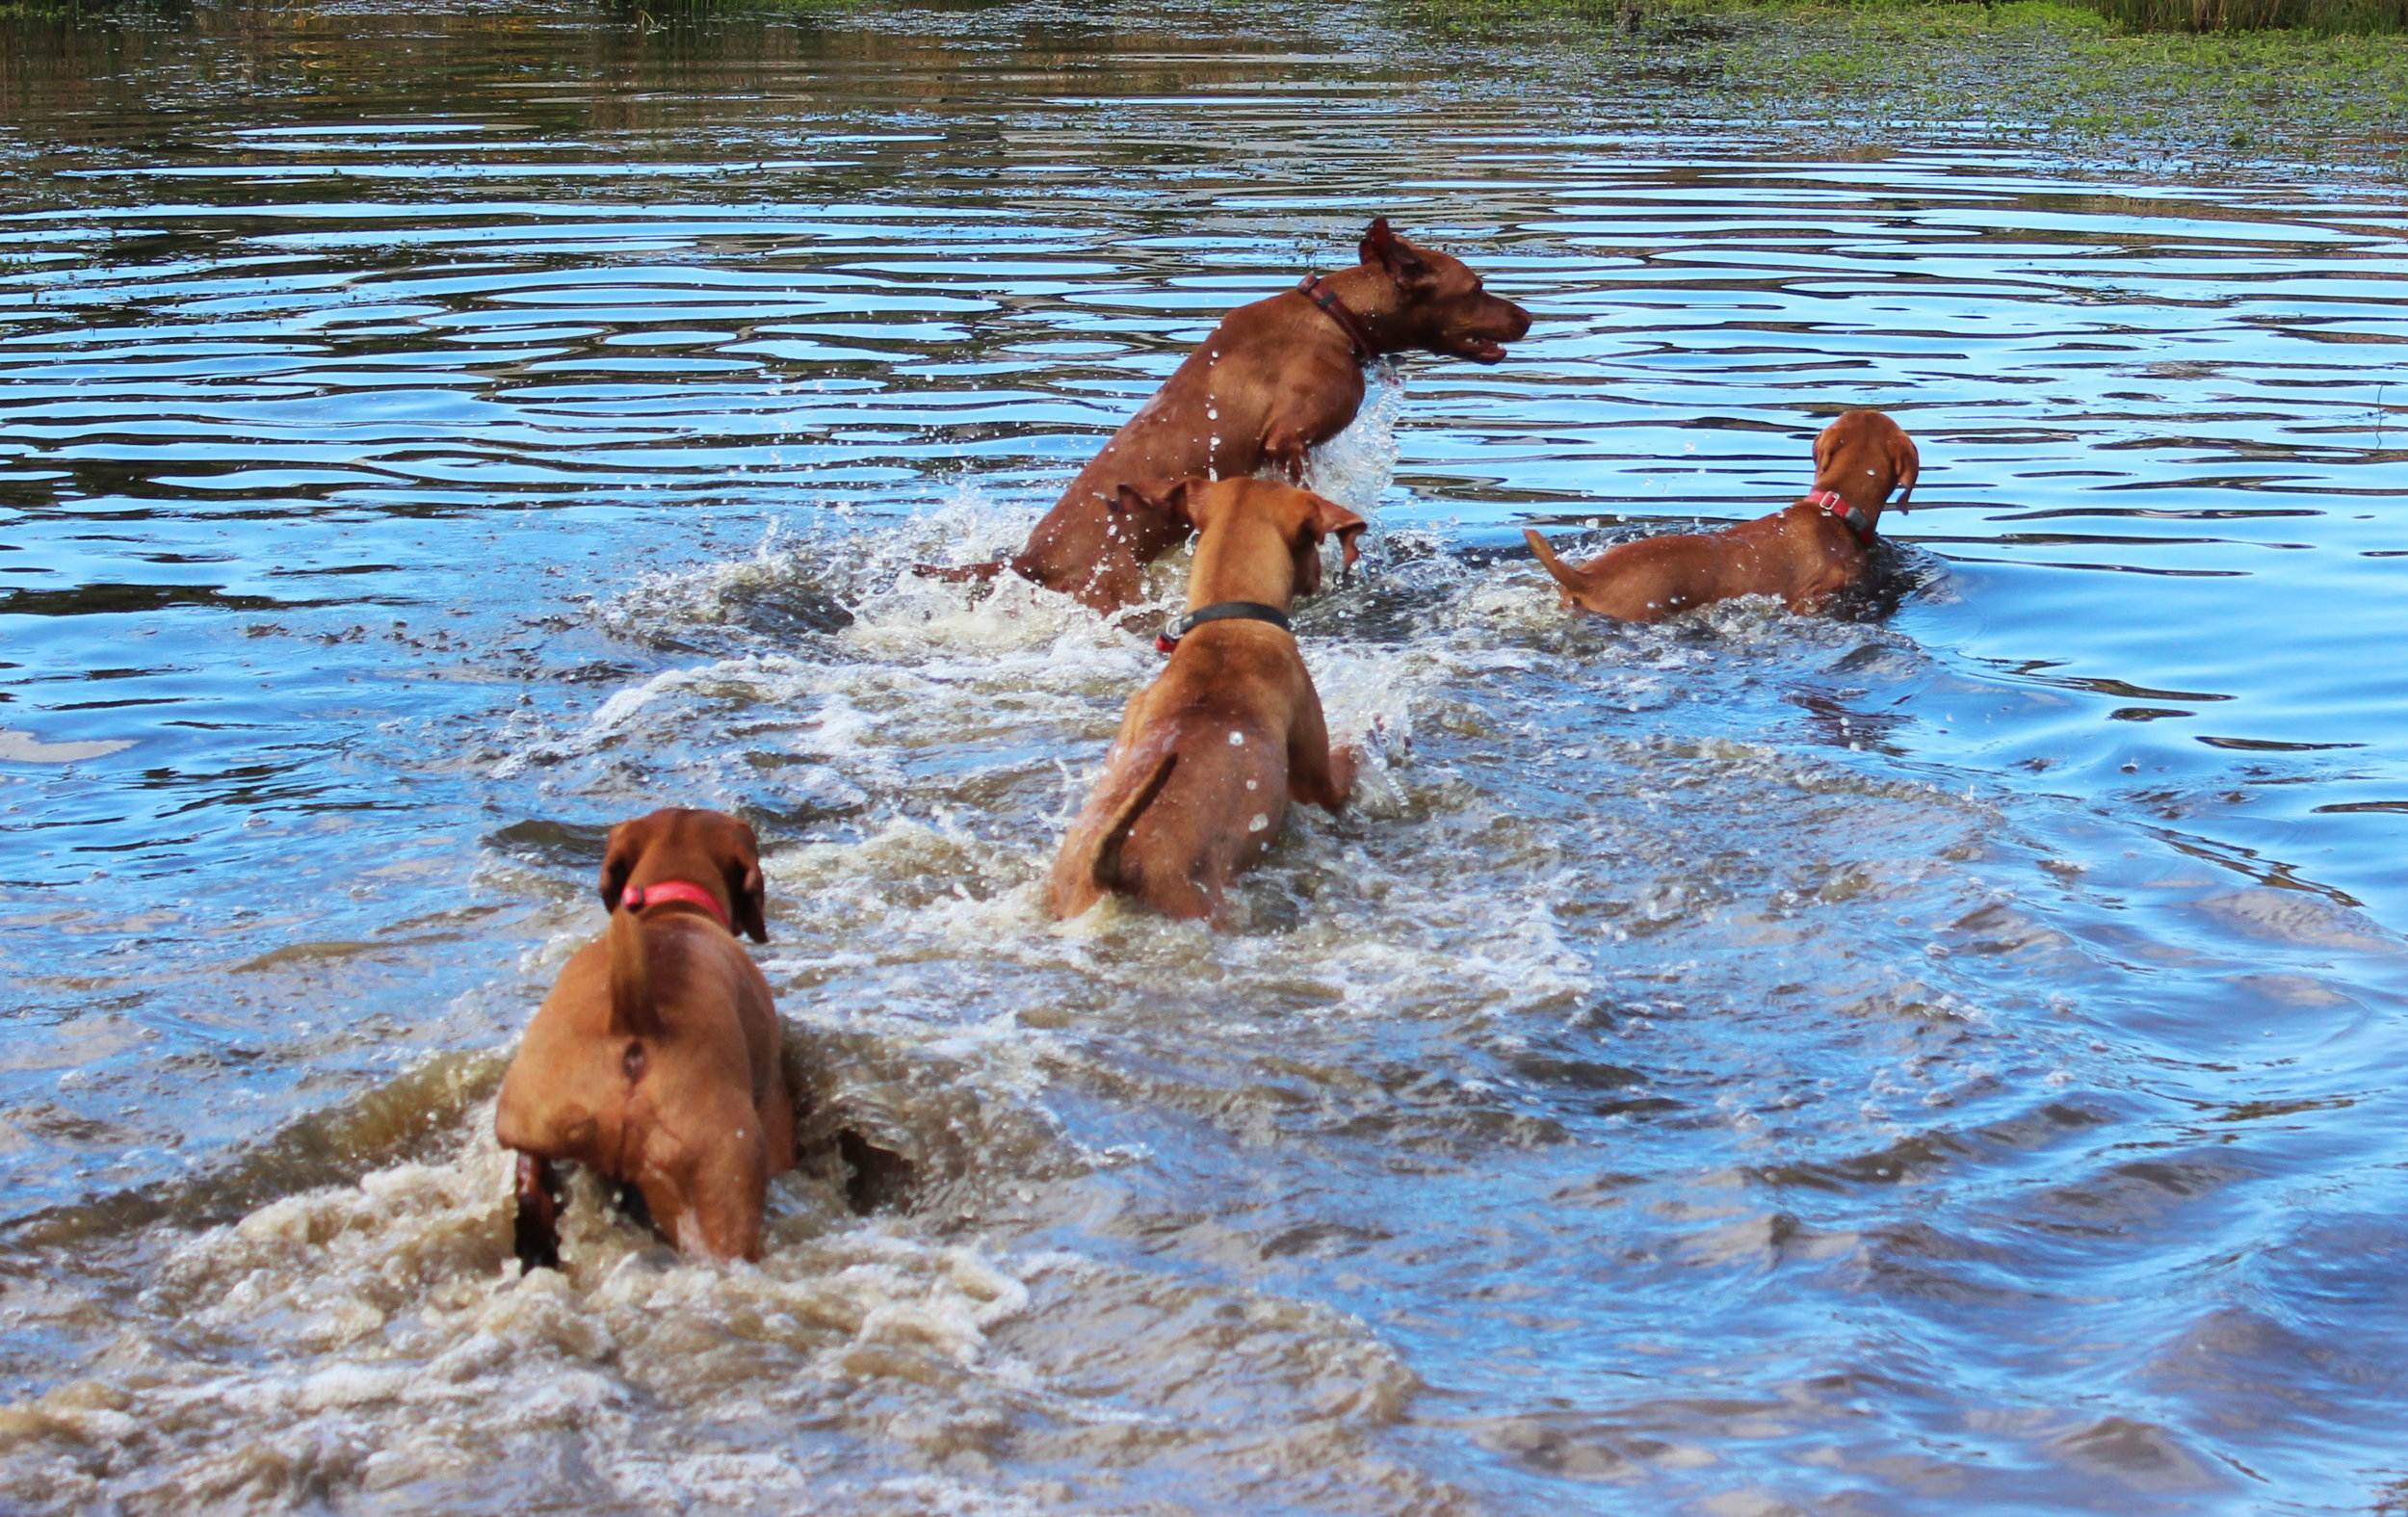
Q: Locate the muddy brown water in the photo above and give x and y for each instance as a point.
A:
(1939, 1060)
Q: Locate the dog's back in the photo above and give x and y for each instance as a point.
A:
(1210, 754)
(1197, 795)
(1803, 553)
(655, 1059)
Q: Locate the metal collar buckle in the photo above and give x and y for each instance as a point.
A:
(1167, 640)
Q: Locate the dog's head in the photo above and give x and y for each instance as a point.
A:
(1298, 520)
(1307, 521)
(709, 849)
(1862, 456)
(1441, 306)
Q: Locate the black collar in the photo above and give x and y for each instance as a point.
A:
(1221, 611)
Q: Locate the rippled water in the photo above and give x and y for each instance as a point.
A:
(1934, 1061)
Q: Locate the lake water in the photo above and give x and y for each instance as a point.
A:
(1937, 1062)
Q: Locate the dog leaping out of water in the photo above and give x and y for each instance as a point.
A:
(1274, 381)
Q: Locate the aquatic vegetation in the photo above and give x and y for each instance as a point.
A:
(2240, 16)
(1863, 75)
(2321, 16)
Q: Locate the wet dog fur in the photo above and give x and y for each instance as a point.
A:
(654, 1060)
(1803, 554)
(1210, 754)
(1275, 380)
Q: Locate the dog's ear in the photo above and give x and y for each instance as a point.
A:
(1167, 496)
(1822, 449)
(625, 846)
(1330, 518)
(1904, 462)
(748, 894)
(1387, 251)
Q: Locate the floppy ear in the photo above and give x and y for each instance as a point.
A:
(619, 853)
(1822, 448)
(746, 893)
(1904, 462)
(1170, 497)
(1389, 251)
(1329, 519)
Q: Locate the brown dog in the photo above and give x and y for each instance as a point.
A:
(1804, 554)
(1210, 754)
(654, 1061)
(1275, 380)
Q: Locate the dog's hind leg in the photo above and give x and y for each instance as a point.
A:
(536, 1234)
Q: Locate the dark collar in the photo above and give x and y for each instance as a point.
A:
(1321, 295)
(1837, 504)
(1167, 640)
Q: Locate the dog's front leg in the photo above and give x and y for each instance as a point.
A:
(536, 1235)
(1283, 460)
(1288, 443)
(1318, 773)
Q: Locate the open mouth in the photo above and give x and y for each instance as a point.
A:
(1480, 350)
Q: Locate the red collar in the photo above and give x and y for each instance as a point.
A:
(634, 898)
(1837, 504)
(1321, 295)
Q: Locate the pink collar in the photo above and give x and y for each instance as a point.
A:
(634, 898)
(1837, 504)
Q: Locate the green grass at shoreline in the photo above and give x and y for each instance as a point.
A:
(2326, 17)
(1855, 76)
(2316, 18)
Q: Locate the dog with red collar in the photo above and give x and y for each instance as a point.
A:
(654, 1060)
(1804, 554)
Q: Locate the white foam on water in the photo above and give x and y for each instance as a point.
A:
(365, 1338)
(368, 1341)
(360, 1344)
(1355, 467)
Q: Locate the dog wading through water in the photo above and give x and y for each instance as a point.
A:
(1210, 754)
(1805, 553)
(1275, 380)
(654, 1061)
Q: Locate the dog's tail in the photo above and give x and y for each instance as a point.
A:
(1103, 868)
(632, 1013)
(1548, 560)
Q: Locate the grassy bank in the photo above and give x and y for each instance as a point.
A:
(1858, 76)
(2324, 17)
(2317, 17)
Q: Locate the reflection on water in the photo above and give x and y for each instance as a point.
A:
(1935, 1061)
